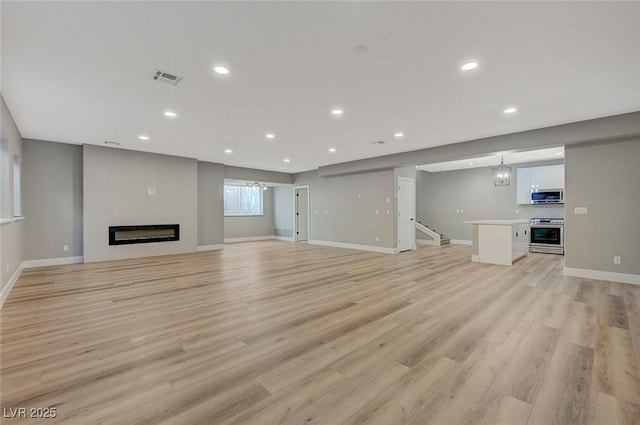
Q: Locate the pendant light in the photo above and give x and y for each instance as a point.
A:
(501, 174)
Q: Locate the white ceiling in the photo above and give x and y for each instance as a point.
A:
(81, 72)
(494, 160)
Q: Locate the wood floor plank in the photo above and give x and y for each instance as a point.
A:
(499, 409)
(610, 410)
(522, 376)
(344, 400)
(409, 394)
(616, 369)
(581, 324)
(276, 408)
(459, 396)
(564, 397)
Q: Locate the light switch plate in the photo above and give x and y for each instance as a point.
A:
(151, 190)
(580, 210)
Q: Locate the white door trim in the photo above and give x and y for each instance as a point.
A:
(295, 222)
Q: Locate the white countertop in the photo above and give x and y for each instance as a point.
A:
(498, 222)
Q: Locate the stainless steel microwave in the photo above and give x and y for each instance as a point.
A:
(548, 196)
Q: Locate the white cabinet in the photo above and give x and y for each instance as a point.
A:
(523, 186)
(538, 178)
(520, 240)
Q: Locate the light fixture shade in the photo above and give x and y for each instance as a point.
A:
(501, 174)
(257, 185)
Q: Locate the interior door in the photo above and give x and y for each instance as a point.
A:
(406, 207)
(302, 214)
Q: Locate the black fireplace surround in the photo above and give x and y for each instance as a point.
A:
(126, 235)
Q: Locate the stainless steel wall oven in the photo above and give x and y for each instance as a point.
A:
(547, 235)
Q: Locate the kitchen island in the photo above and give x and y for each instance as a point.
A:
(499, 241)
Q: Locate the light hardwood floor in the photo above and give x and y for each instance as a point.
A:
(276, 333)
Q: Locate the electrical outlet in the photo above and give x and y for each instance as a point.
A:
(377, 212)
(616, 260)
(461, 211)
(377, 239)
(388, 212)
(65, 247)
(388, 200)
(458, 211)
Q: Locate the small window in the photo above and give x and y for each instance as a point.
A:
(5, 179)
(17, 192)
(242, 200)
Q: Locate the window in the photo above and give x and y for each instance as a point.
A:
(242, 200)
(17, 192)
(5, 179)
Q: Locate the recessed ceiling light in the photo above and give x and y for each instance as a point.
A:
(228, 151)
(222, 70)
(286, 160)
(398, 134)
(170, 114)
(332, 150)
(471, 163)
(270, 136)
(337, 111)
(510, 110)
(468, 66)
(143, 137)
(559, 153)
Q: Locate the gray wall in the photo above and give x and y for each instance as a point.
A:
(251, 174)
(252, 226)
(605, 178)
(283, 210)
(441, 194)
(115, 194)
(53, 199)
(210, 204)
(11, 234)
(338, 214)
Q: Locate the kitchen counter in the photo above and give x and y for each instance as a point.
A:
(499, 241)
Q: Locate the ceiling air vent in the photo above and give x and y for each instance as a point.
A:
(378, 142)
(111, 143)
(165, 77)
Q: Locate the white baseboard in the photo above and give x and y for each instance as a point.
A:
(249, 239)
(427, 242)
(371, 248)
(52, 262)
(633, 279)
(461, 242)
(210, 247)
(283, 238)
(9, 286)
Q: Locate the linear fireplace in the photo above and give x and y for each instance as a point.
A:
(125, 235)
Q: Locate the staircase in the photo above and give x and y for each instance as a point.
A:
(436, 238)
